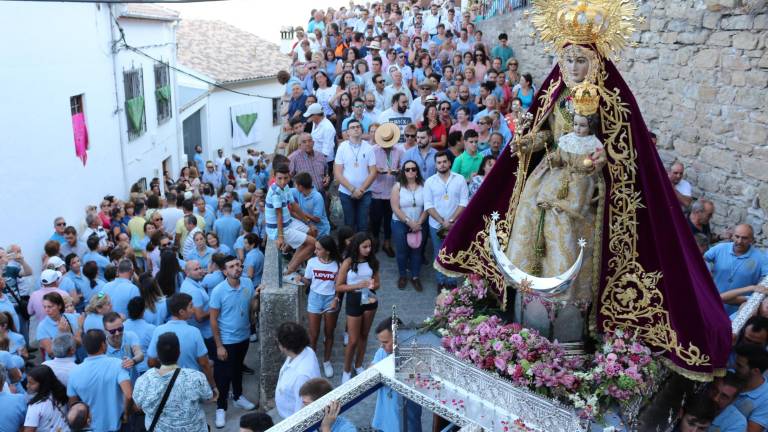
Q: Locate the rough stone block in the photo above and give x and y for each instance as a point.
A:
(711, 20)
(753, 134)
(749, 98)
(721, 38)
(678, 25)
(694, 17)
(706, 58)
(762, 196)
(706, 93)
(693, 38)
(738, 79)
(711, 182)
(757, 78)
(761, 22)
(726, 94)
(735, 62)
(718, 157)
(755, 168)
(669, 37)
(745, 40)
(685, 148)
(278, 305)
(740, 145)
(737, 22)
(763, 63)
(657, 24)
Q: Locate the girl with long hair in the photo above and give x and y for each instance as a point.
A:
(322, 302)
(155, 311)
(408, 216)
(432, 121)
(169, 277)
(56, 322)
(359, 278)
(47, 410)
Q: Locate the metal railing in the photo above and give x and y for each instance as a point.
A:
(492, 8)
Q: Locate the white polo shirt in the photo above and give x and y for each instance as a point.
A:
(324, 136)
(355, 160)
(445, 196)
(293, 374)
(684, 188)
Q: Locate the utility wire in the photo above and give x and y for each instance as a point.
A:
(125, 45)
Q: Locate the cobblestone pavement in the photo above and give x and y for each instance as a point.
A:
(413, 307)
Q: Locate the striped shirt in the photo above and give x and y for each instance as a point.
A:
(314, 165)
(277, 199)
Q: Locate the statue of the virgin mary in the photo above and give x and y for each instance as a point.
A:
(640, 269)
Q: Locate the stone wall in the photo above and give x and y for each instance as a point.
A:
(700, 75)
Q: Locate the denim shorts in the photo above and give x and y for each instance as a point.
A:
(319, 303)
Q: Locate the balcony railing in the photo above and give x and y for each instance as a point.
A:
(492, 8)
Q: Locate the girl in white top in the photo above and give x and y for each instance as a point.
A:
(408, 215)
(322, 303)
(47, 409)
(359, 278)
(324, 93)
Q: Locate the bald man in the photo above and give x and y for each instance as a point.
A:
(683, 189)
(737, 266)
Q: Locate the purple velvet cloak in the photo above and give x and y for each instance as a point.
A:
(653, 279)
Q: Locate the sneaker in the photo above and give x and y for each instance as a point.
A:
(221, 419)
(244, 403)
(346, 338)
(346, 376)
(291, 278)
(359, 370)
(328, 369)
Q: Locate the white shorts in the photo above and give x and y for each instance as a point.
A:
(295, 234)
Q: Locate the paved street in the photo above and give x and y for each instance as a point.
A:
(413, 307)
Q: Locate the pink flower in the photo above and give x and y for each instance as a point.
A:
(499, 363)
(498, 346)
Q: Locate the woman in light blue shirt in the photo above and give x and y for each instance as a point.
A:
(55, 323)
(155, 311)
(202, 252)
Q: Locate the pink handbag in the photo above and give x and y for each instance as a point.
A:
(414, 239)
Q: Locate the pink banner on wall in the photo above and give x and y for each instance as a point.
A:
(81, 136)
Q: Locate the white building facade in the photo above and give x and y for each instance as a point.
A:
(63, 61)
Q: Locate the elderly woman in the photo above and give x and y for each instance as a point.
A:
(187, 388)
(300, 366)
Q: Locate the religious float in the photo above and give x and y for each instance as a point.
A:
(584, 303)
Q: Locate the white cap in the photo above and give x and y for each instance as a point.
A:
(49, 277)
(54, 262)
(314, 109)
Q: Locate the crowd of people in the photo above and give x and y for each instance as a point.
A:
(393, 115)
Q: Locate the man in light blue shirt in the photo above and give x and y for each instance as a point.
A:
(193, 353)
(253, 266)
(227, 227)
(202, 209)
(752, 402)
(94, 255)
(102, 383)
(59, 225)
(14, 406)
(123, 344)
(122, 290)
(736, 264)
(423, 154)
(389, 407)
(230, 305)
(723, 391)
(311, 202)
(200, 317)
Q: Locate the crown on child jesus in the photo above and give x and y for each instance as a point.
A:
(586, 98)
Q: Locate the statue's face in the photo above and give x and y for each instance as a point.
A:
(577, 64)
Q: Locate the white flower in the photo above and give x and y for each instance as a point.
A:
(495, 216)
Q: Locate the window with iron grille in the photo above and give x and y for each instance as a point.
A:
(276, 111)
(136, 116)
(163, 92)
(76, 104)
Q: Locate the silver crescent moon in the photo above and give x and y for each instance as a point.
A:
(543, 286)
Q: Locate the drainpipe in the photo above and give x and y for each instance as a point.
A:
(115, 37)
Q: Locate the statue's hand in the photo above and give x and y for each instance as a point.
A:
(532, 142)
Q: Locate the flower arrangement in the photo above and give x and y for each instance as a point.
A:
(622, 370)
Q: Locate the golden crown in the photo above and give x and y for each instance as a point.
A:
(586, 98)
(606, 24)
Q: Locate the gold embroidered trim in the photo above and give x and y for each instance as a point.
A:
(631, 298)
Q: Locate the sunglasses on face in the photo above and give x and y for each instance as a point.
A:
(410, 135)
(410, 169)
(445, 109)
(116, 330)
(61, 224)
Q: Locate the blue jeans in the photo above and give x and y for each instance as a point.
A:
(356, 211)
(437, 243)
(407, 258)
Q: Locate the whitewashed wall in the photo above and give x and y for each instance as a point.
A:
(52, 51)
(219, 120)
